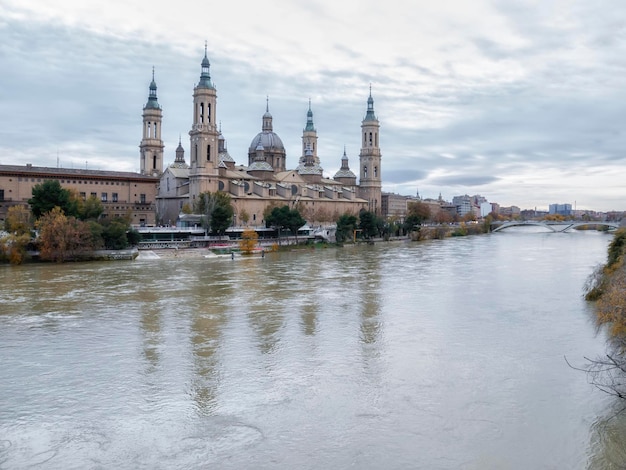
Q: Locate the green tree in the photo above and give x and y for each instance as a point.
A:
(133, 236)
(114, 234)
(294, 222)
(221, 218)
(285, 218)
(368, 224)
(346, 224)
(91, 209)
(48, 195)
(207, 203)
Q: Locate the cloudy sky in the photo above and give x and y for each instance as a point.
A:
(523, 102)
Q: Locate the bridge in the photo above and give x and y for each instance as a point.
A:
(552, 225)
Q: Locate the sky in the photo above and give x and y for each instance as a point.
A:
(522, 102)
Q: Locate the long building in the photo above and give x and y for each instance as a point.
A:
(122, 193)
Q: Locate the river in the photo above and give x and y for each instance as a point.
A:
(446, 354)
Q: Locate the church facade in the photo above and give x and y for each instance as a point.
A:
(265, 179)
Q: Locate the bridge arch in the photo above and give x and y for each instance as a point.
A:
(551, 225)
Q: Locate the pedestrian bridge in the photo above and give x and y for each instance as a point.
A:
(551, 225)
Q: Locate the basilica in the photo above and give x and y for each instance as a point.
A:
(264, 180)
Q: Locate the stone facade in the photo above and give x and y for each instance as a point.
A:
(121, 193)
(265, 180)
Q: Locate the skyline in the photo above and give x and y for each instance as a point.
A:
(519, 102)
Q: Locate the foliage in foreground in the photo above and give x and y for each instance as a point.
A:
(607, 286)
(248, 241)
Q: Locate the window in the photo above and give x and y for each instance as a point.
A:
(208, 152)
(94, 194)
(83, 195)
(375, 172)
(114, 197)
(103, 197)
(142, 198)
(1, 194)
(364, 172)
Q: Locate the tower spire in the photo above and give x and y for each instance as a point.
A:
(205, 76)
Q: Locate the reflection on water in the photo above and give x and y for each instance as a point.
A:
(445, 354)
(608, 440)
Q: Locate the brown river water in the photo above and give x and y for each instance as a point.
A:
(446, 354)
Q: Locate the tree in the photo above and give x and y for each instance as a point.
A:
(61, 237)
(48, 195)
(92, 208)
(207, 203)
(248, 241)
(285, 218)
(114, 234)
(244, 217)
(18, 220)
(443, 217)
(186, 209)
(13, 248)
(346, 224)
(221, 218)
(368, 224)
(417, 213)
(294, 222)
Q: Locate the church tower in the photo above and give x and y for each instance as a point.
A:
(151, 147)
(370, 181)
(309, 138)
(204, 135)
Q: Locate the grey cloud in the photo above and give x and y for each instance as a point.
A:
(403, 176)
(463, 180)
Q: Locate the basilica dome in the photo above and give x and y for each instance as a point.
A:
(267, 146)
(269, 140)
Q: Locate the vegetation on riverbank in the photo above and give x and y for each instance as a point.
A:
(607, 288)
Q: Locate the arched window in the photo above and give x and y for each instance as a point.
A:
(202, 112)
(375, 172)
(370, 139)
(208, 112)
(154, 162)
(376, 139)
(364, 172)
(208, 153)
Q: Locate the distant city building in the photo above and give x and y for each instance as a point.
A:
(485, 209)
(463, 204)
(560, 209)
(511, 211)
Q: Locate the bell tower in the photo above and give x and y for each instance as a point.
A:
(309, 138)
(204, 135)
(370, 181)
(151, 147)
